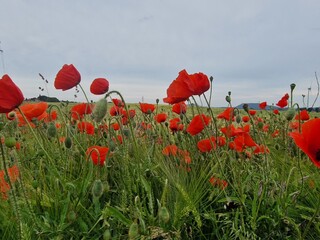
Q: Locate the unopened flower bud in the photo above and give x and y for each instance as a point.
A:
(228, 99)
(100, 110)
(238, 119)
(97, 189)
(292, 86)
(52, 130)
(245, 107)
(290, 114)
(68, 142)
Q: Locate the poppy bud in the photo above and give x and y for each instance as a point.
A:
(290, 114)
(211, 79)
(97, 189)
(52, 130)
(133, 230)
(10, 142)
(164, 215)
(228, 99)
(157, 100)
(238, 119)
(72, 216)
(68, 142)
(292, 86)
(100, 110)
(245, 107)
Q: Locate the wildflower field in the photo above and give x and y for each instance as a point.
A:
(180, 170)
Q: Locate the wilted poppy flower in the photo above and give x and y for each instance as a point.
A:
(179, 108)
(303, 116)
(79, 110)
(206, 145)
(227, 114)
(186, 85)
(67, 78)
(283, 102)
(10, 95)
(86, 127)
(147, 108)
(161, 117)
(198, 123)
(99, 86)
(97, 154)
(309, 140)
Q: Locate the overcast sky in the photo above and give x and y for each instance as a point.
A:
(255, 49)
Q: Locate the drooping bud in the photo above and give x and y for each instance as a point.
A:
(100, 110)
(68, 142)
(228, 99)
(238, 119)
(290, 114)
(245, 107)
(97, 189)
(52, 130)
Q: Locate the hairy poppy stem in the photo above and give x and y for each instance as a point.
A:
(15, 204)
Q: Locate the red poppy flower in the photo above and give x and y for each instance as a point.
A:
(170, 150)
(79, 110)
(4, 185)
(161, 117)
(179, 108)
(117, 102)
(99, 86)
(276, 111)
(186, 85)
(34, 110)
(67, 78)
(115, 111)
(309, 140)
(206, 145)
(263, 105)
(227, 114)
(198, 123)
(303, 116)
(245, 118)
(147, 108)
(175, 125)
(10, 95)
(261, 149)
(97, 154)
(86, 127)
(116, 126)
(132, 113)
(252, 112)
(222, 184)
(283, 102)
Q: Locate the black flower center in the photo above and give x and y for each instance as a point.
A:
(318, 155)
